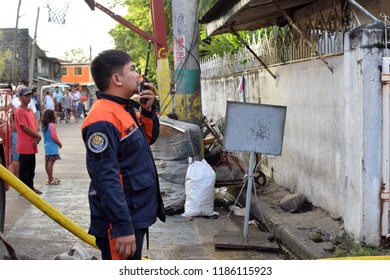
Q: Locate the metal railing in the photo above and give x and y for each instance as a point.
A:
(323, 27)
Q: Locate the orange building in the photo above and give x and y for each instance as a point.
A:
(76, 73)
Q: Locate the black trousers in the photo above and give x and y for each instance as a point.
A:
(27, 169)
(104, 245)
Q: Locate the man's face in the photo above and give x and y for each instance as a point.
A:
(130, 79)
(25, 99)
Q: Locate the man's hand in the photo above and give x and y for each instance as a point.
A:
(125, 246)
(150, 94)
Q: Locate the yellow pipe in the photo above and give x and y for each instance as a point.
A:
(46, 207)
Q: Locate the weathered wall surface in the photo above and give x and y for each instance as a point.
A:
(331, 150)
(7, 41)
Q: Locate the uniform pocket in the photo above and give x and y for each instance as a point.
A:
(132, 145)
(140, 189)
(134, 139)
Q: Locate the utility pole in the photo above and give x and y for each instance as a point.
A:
(186, 61)
(32, 54)
(15, 45)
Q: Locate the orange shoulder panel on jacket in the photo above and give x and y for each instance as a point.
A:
(106, 110)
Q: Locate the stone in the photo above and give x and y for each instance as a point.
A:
(292, 202)
(315, 236)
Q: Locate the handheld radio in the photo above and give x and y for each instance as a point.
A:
(144, 80)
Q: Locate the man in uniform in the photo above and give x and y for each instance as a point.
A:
(124, 193)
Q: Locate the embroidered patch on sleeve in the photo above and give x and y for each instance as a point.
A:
(97, 142)
(131, 129)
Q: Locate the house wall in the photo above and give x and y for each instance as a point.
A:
(83, 79)
(22, 55)
(44, 66)
(331, 149)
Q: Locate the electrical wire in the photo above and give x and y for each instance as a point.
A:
(264, 221)
(236, 202)
(179, 77)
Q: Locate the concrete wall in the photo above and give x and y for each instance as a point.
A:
(23, 48)
(331, 150)
(45, 67)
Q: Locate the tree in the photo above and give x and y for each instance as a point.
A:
(125, 39)
(220, 45)
(76, 56)
(225, 44)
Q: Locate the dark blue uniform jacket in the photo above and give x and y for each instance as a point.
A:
(124, 192)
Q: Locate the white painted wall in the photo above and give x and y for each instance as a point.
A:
(331, 150)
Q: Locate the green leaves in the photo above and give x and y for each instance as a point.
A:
(228, 44)
(127, 40)
(76, 56)
(220, 45)
(139, 14)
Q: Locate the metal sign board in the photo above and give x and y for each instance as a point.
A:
(255, 128)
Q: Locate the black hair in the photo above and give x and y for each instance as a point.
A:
(106, 64)
(49, 116)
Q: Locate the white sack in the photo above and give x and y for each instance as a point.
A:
(199, 188)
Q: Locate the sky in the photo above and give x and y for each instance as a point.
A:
(83, 27)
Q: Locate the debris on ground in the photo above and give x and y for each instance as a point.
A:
(293, 202)
(238, 211)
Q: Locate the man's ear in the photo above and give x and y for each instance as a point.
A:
(116, 79)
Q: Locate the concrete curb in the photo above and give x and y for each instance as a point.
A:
(291, 229)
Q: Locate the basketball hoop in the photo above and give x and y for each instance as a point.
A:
(57, 10)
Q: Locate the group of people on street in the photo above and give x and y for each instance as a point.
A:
(64, 104)
(33, 114)
(26, 137)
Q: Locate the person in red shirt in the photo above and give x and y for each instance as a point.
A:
(28, 139)
(83, 100)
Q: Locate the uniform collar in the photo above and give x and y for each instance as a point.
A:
(117, 99)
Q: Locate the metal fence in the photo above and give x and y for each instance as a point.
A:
(323, 30)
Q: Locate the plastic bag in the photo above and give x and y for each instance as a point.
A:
(199, 189)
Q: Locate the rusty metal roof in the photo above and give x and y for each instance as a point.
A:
(248, 14)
